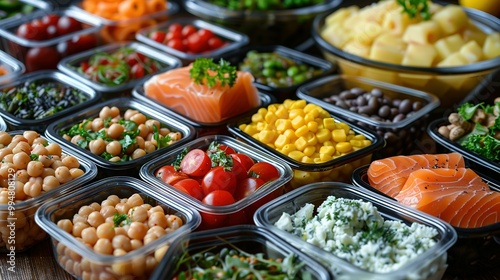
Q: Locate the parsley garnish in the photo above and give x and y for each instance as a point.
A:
(416, 8)
(34, 157)
(161, 141)
(121, 220)
(205, 70)
(219, 157)
(177, 162)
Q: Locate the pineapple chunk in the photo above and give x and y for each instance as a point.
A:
(451, 19)
(472, 32)
(448, 45)
(491, 47)
(340, 15)
(336, 35)
(426, 32)
(388, 48)
(419, 55)
(357, 48)
(366, 31)
(472, 52)
(396, 21)
(454, 59)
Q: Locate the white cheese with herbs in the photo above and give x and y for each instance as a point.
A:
(355, 231)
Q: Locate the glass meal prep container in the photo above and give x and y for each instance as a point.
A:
(50, 91)
(19, 208)
(67, 32)
(331, 167)
(72, 66)
(257, 241)
(401, 129)
(10, 68)
(129, 163)
(138, 262)
(120, 27)
(473, 255)
(230, 39)
(216, 216)
(278, 62)
(15, 10)
(430, 264)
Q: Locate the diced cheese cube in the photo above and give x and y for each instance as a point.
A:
(388, 48)
(455, 59)
(491, 47)
(448, 45)
(472, 52)
(472, 32)
(451, 19)
(357, 48)
(419, 55)
(425, 32)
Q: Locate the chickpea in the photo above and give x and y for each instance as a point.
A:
(77, 218)
(135, 200)
(137, 230)
(138, 214)
(115, 131)
(49, 183)
(56, 164)
(39, 149)
(103, 246)
(5, 151)
(5, 138)
(19, 138)
(35, 168)
(140, 142)
(65, 225)
(149, 147)
(175, 136)
(78, 228)
(85, 211)
(48, 171)
(4, 169)
(143, 130)
(138, 153)
(129, 113)
(21, 160)
(107, 202)
(174, 222)
(114, 111)
(157, 208)
(105, 230)
(46, 160)
(22, 147)
(76, 172)
(151, 123)
(108, 211)
(149, 237)
(32, 189)
(122, 208)
(120, 231)
(89, 235)
(157, 219)
(97, 146)
(115, 159)
(40, 140)
(139, 266)
(105, 112)
(8, 158)
(96, 206)
(97, 124)
(121, 242)
(95, 219)
(70, 162)
(114, 148)
(138, 118)
(119, 252)
(76, 139)
(62, 174)
(160, 252)
(66, 137)
(30, 135)
(157, 230)
(54, 149)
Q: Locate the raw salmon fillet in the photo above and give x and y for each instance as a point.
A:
(390, 174)
(179, 92)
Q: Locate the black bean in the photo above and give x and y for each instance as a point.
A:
(373, 102)
(357, 91)
(377, 92)
(405, 106)
(361, 101)
(368, 110)
(346, 94)
(376, 118)
(398, 118)
(390, 137)
(384, 111)
(394, 112)
(341, 104)
(396, 102)
(354, 109)
(417, 105)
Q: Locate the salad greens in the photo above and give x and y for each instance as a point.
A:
(264, 5)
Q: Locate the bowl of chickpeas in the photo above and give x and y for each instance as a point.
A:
(120, 134)
(317, 145)
(444, 49)
(33, 171)
(117, 227)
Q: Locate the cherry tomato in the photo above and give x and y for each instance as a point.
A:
(216, 198)
(50, 19)
(196, 43)
(169, 175)
(219, 179)
(264, 171)
(228, 150)
(239, 170)
(196, 163)
(42, 58)
(190, 187)
(215, 43)
(174, 27)
(158, 36)
(66, 25)
(187, 30)
(245, 160)
(30, 32)
(246, 187)
(173, 35)
(138, 71)
(77, 44)
(205, 34)
(177, 44)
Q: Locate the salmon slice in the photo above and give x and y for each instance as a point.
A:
(390, 174)
(179, 92)
(484, 211)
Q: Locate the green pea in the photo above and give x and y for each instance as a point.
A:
(292, 71)
(299, 78)
(268, 72)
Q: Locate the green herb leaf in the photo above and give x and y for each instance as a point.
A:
(467, 110)
(160, 141)
(219, 157)
(416, 8)
(177, 162)
(34, 157)
(120, 219)
(126, 142)
(205, 70)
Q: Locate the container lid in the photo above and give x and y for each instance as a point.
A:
(68, 64)
(333, 85)
(13, 66)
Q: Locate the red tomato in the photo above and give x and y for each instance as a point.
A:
(176, 44)
(138, 71)
(205, 34)
(49, 20)
(30, 32)
(239, 170)
(228, 150)
(215, 43)
(190, 187)
(187, 30)
(196, 43)
(77, 44)
(219, 179)
(66, 25)
(216, 198)
(246, 187)
(174, 27)
(196, 163)
(245, 160)
(169, 175)
(42, 58)
(264, 171)
(158, 36)
(173, 35)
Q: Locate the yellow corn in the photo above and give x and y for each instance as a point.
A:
(308, 118)
(329, 123)
(309, 107)
(272, 108)
(296, 155)
(281, 141)
(366, 143)
(323, 135)
(257, 118)
(288, 103)
(250, 129)
(288, 148)
(301, 143)
(301, 131)
(339, 135)
(261, 126)
(283, 124)
(343, 126)
(297, 122)
(270, 117)
(267, 136)
(312, 126)
(311, 138)
(290, 134)
(325, 157)
(295, 112)
(306, 159)
(343, 147)
(309, 150)
(330, 143)
(298, 104)
(282, 112)
(359, 137)
(329, 150)
(262, 111)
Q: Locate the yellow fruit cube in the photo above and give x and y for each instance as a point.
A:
(455, 59)
(388, 48)
(448, 45)
(419, 55)
(491, 47)
(451, 19)
(425, 32)
(472, 52)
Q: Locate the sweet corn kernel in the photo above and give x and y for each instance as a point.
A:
(306, 159)
(309, 107)
(312, 126)
(317, 159)
(267, 136)
(288, 103)
(301, 143)
(256, 136)
(309, 150)
(323, 113)
(325, 157)
(298, 104)
(366, 143)
(282, 112)
(303, 177)
(293, 113)
(343, 126)
(311, 138)
(261, 126)
(308, 118)
(257, 118)
(242, 126)
(250, 129)
(270, 117)
(282, 124)
(330, 143)
(356, 143)
(359, 137)
(271, 145)
(323, 135)
(296, 155)
(350, 137)
(297, 122)
(329, 123)
(281, 141)
(339, 135)
(272, 108)
(343, 147)
(329, 150)
(301, 131)
(262, 111)
(288, 148)
(290, 134)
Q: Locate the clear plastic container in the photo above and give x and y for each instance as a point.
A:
(338, 169)
(123, 103)
(12, 67)
(233, 39)
(431, 264)
(251, 239)
(38, 7)
(3, 125)
(22, 213)
(400, 136)
(202, 128)
(81, 261)
(289, 27)
(45, 54)
(281, 93)
(122, 30)
(15, 123)
(70, 64)
(240, 212)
